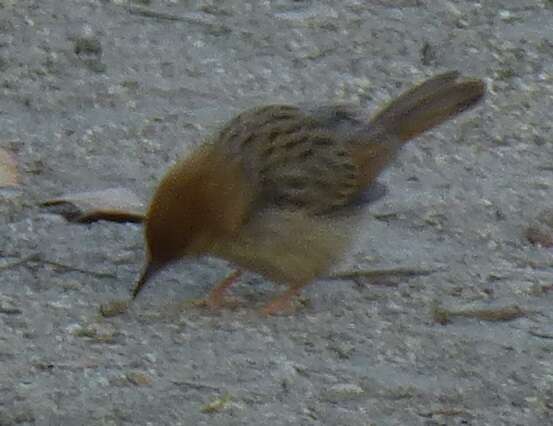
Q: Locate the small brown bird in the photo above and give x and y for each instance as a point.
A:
(267, 190)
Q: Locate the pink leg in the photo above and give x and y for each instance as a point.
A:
(281, 303)
(216, 297)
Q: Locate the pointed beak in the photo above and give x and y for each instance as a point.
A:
(150, 269)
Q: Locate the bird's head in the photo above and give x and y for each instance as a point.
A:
(202, 200)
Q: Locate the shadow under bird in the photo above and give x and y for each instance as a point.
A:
(268, 190)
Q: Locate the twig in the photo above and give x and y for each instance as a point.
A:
(8, 310)
(30, 258)
(37, 258)
(216, 27)
(148, 13)
(376, 273)
(198, 386)
(506, 313)
(77, 269)
(446, 412)
(540, 334)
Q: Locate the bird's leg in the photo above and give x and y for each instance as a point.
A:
(283, 302)
(216, 297)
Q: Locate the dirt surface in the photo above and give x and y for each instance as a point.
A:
(94, 95)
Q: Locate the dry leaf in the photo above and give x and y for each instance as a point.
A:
(217, 405)
(139, 378)
(113, 204)
(114, 308)
(8, 169)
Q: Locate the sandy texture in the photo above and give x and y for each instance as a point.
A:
(94, 96)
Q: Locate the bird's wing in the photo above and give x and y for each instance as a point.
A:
(298, 157)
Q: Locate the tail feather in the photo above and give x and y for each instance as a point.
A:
(419, 109)
(428, 105)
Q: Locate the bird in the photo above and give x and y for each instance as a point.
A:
(267, 191)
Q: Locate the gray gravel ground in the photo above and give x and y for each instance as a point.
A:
(93, 96)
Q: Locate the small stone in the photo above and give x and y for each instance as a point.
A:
(114, 308)
(217, 405)
(87, 46)
(343, 392)
(8, 307)
(98, 333)
(540, 231)
(138, 378)
(428, 54)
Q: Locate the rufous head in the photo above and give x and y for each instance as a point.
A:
(200, 201)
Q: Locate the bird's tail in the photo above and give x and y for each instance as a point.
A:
(428, 105)
(419, 109)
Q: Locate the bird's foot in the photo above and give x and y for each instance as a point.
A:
(283, 304)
